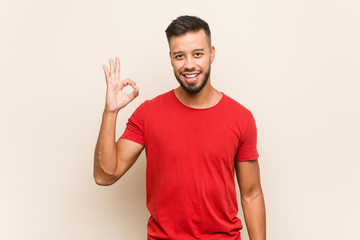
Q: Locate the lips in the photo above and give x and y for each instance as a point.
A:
(191, 77)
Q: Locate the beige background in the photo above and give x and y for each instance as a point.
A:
(294, 64)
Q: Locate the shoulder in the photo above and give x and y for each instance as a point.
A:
(151, 106)
(241, 117)
(235, 107)
(157, 101)
(148, 109)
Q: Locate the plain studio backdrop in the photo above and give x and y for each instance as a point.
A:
(294, 64)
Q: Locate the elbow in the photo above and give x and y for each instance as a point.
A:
(100, 182)
(108, 171)
(103, 181)
(103, 177)
(106, 166)
(249, 197)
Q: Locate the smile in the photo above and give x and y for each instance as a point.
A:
(190, 78)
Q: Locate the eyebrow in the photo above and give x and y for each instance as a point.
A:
(195, 50)
(177, 52)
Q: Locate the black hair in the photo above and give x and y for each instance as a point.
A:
(185, 24)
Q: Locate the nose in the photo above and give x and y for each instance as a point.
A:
(189, 64)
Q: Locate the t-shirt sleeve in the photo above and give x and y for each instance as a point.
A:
(248, 147)
(134, 130)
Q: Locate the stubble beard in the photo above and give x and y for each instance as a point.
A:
(192, 88)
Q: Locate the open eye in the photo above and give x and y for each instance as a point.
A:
(198, 54)
(179, 56)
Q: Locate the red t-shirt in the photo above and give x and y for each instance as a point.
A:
(190, 176)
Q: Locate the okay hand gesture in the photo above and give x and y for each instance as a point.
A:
(116, 98)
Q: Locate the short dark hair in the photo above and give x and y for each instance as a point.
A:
(185, 24)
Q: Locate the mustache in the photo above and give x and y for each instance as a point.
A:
(188, 70)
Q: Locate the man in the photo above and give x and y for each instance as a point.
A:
(195, 139)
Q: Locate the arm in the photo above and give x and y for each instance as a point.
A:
(252, 199)
(112, 159)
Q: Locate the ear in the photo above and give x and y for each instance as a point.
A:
(212, 54)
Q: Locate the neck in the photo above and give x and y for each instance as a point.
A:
(207, 97)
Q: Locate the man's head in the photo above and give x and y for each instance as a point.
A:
(191, 52)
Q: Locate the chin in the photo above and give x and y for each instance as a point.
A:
(193, 88)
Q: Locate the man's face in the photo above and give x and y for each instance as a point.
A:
(191, 58)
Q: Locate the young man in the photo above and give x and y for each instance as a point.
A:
(195, 137)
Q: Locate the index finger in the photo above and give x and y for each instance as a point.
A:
(117, 68)
(127, 82)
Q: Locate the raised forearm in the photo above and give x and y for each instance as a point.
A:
(105, 159)
(254, 213)
(105, 162)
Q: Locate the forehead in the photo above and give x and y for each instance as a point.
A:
(189, 41)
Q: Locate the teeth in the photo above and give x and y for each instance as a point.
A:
(191, 76)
